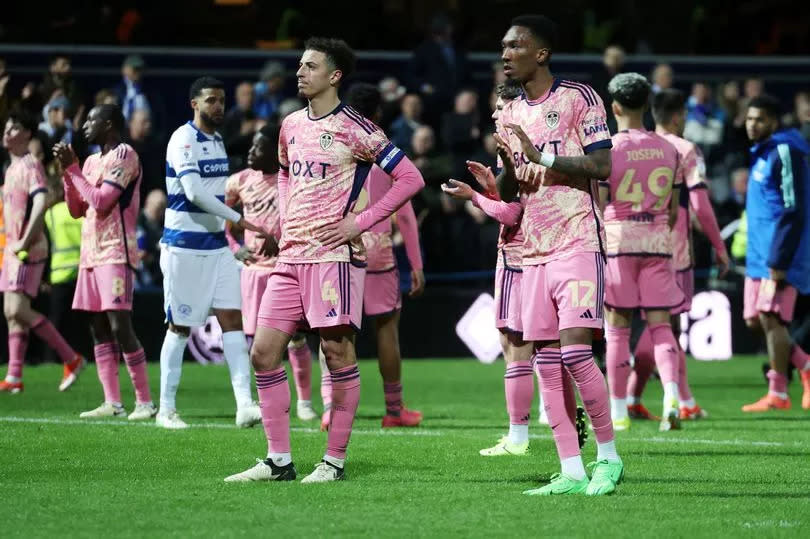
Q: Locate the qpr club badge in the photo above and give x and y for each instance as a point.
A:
(552, 119)
(326, 140)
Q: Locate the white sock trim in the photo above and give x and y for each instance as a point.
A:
(518, 434)
(573, 467)
(334, 461)
(607, 451)
(280, 459)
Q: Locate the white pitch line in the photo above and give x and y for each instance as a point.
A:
(151, 424)
(386, 432)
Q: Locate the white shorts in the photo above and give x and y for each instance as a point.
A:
(195, 283)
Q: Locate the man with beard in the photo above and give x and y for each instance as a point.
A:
(200, 273)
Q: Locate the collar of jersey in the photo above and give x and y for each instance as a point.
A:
(334, 111)
(554, 85)
(202, 137)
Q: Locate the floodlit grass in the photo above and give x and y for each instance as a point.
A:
(730, 475)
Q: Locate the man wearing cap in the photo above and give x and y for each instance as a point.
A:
(56, 124)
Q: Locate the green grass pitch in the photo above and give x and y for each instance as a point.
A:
(731, 475)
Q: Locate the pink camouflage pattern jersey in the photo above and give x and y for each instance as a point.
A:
(693, 168)
(110, 237)
(645, 171)
(328, 160)
(569, 120)
(378, 240)
(258, 194)
(24, 179)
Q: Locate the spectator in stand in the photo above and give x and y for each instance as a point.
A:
(392, 93)
(662, 77)
(705, 126)
(409, 120)
(59, 81)
(461, 133)
(498, 76)
(56, 123)
(802, 113)
(739, 242)
(240, 126)
(150, 149)
(130, 92)
(149, 232)
(438, 69)
(612, 64)
(753, 88)
(434, 166)
(288, 106)
(105, 96)
(5, 101)
(37, 146)
(269, 91)
(734, 152)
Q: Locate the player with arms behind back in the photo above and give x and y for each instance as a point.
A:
(326, 152)
(106, 191)
(640, 201)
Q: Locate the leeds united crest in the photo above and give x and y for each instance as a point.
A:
(326, 140)
(552, 119)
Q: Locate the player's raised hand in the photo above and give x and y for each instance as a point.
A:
(245, 256)
(417, 283)
(64, 154)
(483, 175)
(529, 150)
(504, 152)
(336, 234)
(458, 189)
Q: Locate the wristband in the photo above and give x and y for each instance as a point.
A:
(546, 159)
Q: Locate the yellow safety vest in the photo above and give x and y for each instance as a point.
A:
(66, 241)
(739, 241)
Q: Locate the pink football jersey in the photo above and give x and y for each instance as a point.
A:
(25, 178)
(377, 240)
(510, 246)
(328, 160)
(110, 237)
(558, 220)
(694, 175)
(645, 170)
(258, 195)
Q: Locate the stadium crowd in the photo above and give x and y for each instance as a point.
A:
(436, 114)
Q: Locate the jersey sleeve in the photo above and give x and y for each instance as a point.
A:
(283, 159)
(232, 189)
(181, 154)
(591, 122)
(694, 169)
(679, 179)
(37, 182)
(369, 144)
(123, 169)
